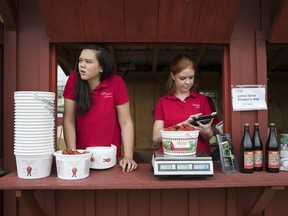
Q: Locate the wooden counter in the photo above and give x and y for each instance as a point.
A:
(140, 190)
(143, 178)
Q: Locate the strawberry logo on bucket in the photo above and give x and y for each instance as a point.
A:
(74, 171)
(29, 170)
(106, 160)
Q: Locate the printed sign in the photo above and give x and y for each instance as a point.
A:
(246, 98)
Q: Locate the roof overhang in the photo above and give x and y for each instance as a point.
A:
(195, 21)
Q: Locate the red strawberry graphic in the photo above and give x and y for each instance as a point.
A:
(107, 160)
(29, 170)
(172, 146)
(74, 171)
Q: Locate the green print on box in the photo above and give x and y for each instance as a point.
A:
(179, 142)
(180, 145)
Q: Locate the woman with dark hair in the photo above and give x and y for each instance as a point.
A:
(182, 103)
(96, 108)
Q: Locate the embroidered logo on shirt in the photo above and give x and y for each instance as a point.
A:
(196, 106)
(106, 95)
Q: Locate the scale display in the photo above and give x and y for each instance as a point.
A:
(164, 165)
(184, 167)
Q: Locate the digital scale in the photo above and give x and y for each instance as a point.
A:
(190, 166)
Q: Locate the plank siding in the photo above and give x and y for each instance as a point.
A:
(103, 20)
(67, 25)
(216, 21)
(180, 28)
(144, 119)
(140, 20)
(171, 202)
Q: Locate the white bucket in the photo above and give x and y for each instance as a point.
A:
(72, 167)
(33, 166)
(103, 157)
(179, 142)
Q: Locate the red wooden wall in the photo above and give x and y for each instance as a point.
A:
(245, 62)
(27, 66)
(180, 202)
(1, 90)
(195, 21)
(1, 106)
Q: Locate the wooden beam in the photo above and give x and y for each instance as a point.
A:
(90, 201)
(155, 202)
(112, 53)
(231, 201)
(155, 58)
(66, 55)
(198, 55)
(66, 59)
(123, 202)
(133, 52)
(65, 66)
(1, 33)
(263, 200)
(194, 202)
(143, 73)
(28, 198)
(214, 53)
(9, 15)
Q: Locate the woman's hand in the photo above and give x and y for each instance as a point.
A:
(205, 129)
(127, 134)
(187, 121)
(127, 164)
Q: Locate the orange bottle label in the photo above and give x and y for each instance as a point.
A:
(248, 160)
(273, 159)
(258, 158)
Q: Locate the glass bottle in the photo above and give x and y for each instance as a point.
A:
(272, 153)
(246, 152)
(258, 149)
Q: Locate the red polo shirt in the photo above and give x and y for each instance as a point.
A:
(100, 127)
(172, 110)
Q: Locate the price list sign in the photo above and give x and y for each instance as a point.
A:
(245, 98)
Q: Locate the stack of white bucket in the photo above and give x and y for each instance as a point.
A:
(34, 131)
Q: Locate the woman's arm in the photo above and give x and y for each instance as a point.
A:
(158, 126)
(127, 134)
(69, 124)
